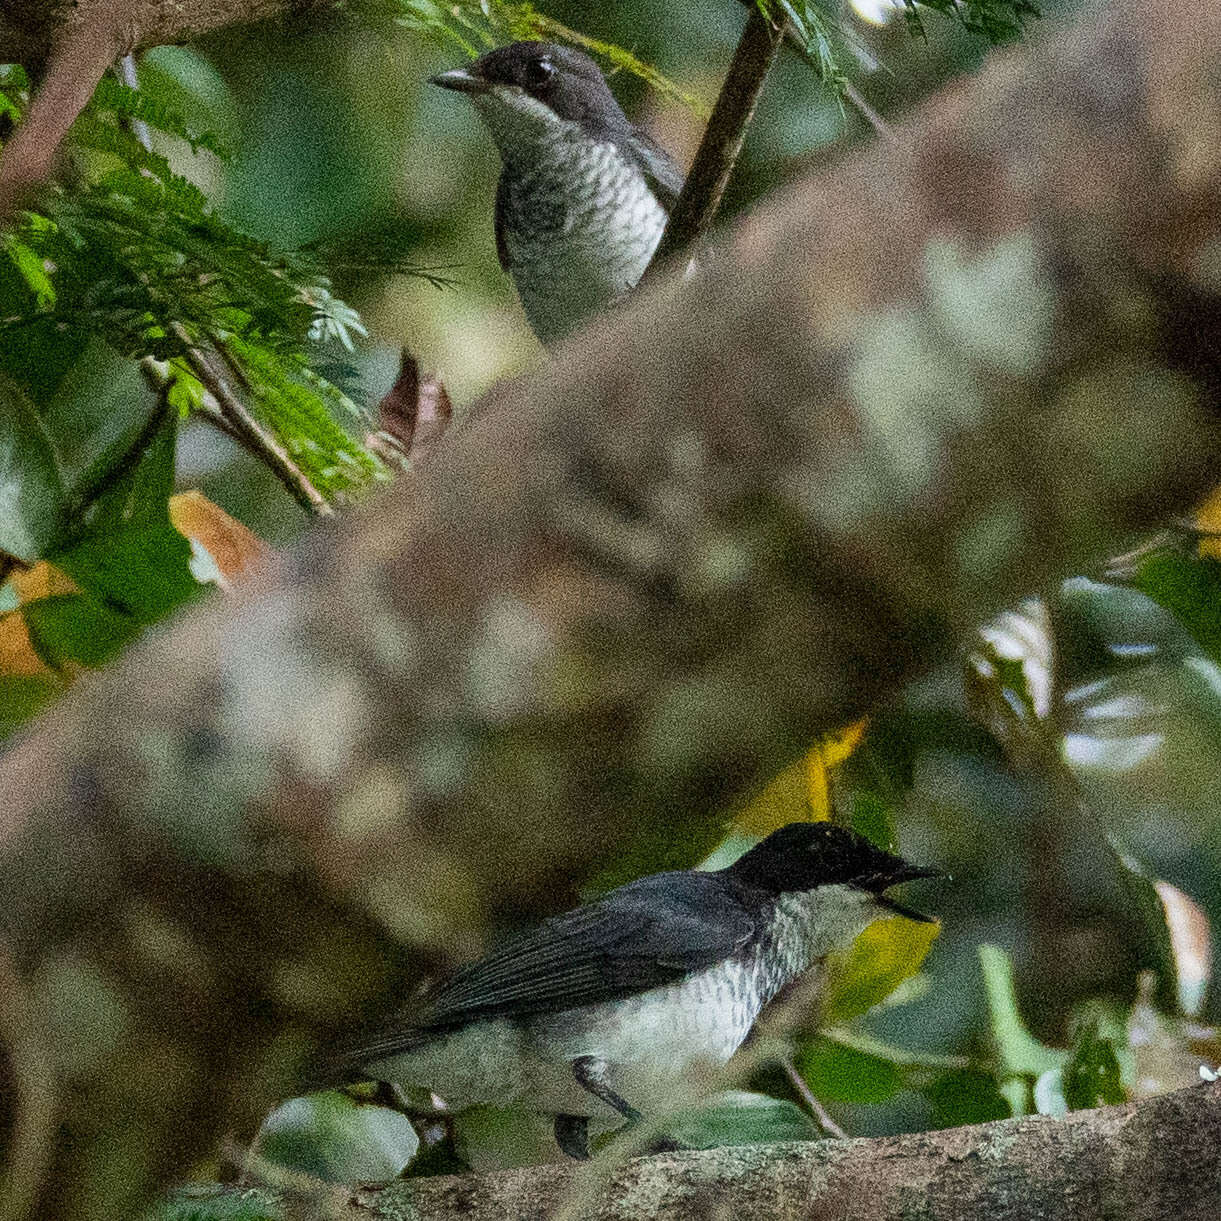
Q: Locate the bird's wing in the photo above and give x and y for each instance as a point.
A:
(643, 935)
(659, 168)
(502, 251)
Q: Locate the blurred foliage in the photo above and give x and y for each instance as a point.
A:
(288, 176)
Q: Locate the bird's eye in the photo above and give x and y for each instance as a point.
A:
(539, 72)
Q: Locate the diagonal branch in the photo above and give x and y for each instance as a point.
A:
(700, 198)
(249, 432)
(1142, 1161)
(94, 40)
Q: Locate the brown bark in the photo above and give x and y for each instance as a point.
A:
(736, 513)
(29, 28)
(1149, 1162)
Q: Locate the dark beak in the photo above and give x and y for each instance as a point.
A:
(909, 873)
(461, 79)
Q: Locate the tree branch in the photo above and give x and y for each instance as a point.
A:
(87, 47)
(29, 29)
(250, 432)
(700, 198)
(730, 515)
(1142, 1162)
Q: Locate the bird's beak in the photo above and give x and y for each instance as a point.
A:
(910, 874)
(461, 79)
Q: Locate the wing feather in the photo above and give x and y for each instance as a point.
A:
(651, 932)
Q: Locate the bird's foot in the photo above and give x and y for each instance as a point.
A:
(572, 1136)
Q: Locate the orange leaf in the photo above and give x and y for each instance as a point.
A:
(234, 550)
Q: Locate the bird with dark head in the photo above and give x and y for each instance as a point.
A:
(620, 1007)
(583, 195)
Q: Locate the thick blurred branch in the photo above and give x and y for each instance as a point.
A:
(741, 510)
(30, 28)
(1143, 1162)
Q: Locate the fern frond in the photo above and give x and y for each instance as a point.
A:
(112, 95)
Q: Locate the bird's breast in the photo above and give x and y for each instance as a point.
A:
(661, 1046)
(579, 225)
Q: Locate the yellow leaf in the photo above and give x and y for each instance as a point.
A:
(1208, 522)
(802, 792)
(889, 951)
(17, 655)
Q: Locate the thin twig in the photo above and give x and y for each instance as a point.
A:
(250, 432)
(156, 373)
(871, 116)
(131, 78)
(90, 494)
(807, 1095)
(697, 203)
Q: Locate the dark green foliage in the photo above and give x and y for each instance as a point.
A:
(141, 260)
(32, 496)
(743, 1118)
(1189, 586)
(211, 1205)
(996, 20)
(965, 1096)
(1091, 1076)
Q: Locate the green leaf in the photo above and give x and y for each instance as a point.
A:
(1020, 1053)
(1155, 948)
(131, 557)
(29, 266)
(331, 1137)
(214, 1203)
(996, 20)
(1189, 587)
(77, 627)
(965, 1096)
(32, 498)
(739, 1117)
(186, 81)
(96, 413)
(848, 1074)
(141, 104)
(23, 696)
(1092, 1075)
(888, 952)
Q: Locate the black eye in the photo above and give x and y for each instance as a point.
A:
(539, 72)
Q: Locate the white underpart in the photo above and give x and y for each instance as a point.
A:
(661, 1047)
(583, 222)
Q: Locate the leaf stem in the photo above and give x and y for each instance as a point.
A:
(250, 432)
(700, 198)
(802, 1088)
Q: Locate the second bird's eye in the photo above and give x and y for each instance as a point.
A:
(539, 72)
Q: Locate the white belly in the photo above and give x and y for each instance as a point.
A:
(661, 1049)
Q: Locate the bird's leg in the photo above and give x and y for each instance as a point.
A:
(590, 1072)
(572, 1136)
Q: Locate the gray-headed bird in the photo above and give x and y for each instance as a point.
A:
(583, 195)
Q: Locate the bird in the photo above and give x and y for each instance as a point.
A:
(583, 195)
(614, 1009)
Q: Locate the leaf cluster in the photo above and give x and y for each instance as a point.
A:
(133, 253)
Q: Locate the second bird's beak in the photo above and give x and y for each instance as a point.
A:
(461, 79)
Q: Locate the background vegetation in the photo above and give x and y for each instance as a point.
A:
(303, 207)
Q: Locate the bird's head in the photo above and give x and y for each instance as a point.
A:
(530, 92)
(804, 856)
